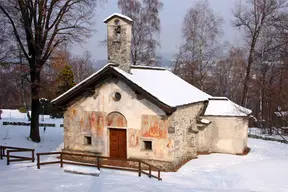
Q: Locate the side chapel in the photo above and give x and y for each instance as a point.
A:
(148, 113)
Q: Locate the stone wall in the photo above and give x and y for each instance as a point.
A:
(182, 131)
(223, 135)
(119, 44)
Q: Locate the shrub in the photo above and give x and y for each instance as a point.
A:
(22, 110)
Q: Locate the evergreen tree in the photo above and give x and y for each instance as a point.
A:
(65, 80)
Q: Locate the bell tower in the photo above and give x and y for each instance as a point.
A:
(119, 35)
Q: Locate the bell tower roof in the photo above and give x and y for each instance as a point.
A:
(128, 19)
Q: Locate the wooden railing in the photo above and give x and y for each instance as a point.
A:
(10, 150)
(99, 164)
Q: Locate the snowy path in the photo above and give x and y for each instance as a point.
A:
(263, 169)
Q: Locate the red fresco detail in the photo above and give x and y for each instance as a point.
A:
(97, 123)
(152, 126)
(116, 120)
(133, 138)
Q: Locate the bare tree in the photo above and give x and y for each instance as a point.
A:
(6, 47)
(82, 66)
(201, 28)
(39, 26)
(254, 17)
(146, 26)
(228, 75)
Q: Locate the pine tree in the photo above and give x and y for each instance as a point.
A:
(65, 80)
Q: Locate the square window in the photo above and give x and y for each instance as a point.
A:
(148, 145)
(87, 140)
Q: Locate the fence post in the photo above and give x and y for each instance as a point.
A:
(8, 157)
(159, 175)
(149, 171)
(33, 155)
(38, 161)
(3, 152)
(98, 163)
(139, 171)
(1, 155)
(61, 159)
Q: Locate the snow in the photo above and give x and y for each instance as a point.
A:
(221, 106)
(254, 131)
(164, 85)
(281, 113)
(205, 121)
(119, 15)
(264, 169)
(13, 114)
(82, 170)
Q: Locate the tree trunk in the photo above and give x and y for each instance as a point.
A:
(35, 105)
(248, 71)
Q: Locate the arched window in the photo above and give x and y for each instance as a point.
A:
(117, 30)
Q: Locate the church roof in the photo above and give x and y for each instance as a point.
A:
(117, 15)
(159, 85)
(222, 106)
(166, 86)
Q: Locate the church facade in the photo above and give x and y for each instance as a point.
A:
(147, 113)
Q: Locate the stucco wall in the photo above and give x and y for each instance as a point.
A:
(223, 135)
(145, 121)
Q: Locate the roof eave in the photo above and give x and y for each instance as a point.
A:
(62, 101)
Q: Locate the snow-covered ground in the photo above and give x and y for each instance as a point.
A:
(263, 169)
(260, 132)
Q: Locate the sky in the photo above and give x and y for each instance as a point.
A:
(171, 16)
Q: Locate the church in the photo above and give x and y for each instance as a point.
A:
(148, 113)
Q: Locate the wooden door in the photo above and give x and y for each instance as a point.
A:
(118, 148)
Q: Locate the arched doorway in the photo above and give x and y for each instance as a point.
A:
(117, 124)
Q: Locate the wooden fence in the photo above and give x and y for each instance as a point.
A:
(99, 165)
(9, 150)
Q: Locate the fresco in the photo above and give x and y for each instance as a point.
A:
(170, 148)
(154, 126)
(159, 153)
(77, 117)
(116, 120)
(133, 135)
(96, 120)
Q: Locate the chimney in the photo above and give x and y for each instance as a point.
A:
(119, 34)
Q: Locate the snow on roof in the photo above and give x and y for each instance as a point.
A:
(165, 86)
(222, 106)
(119, 15)
(147, 67)
(82, 82)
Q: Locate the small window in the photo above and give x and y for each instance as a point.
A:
(148, 145)
(117, 96)
(87, 140)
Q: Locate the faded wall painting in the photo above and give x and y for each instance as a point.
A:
(163, 148)
(133, 135)
(154, 126)
(97, 120)
(78, 118)
(116, 119)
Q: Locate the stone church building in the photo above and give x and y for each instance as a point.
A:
(147, 113)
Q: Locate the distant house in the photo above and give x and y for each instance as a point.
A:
(148, 113)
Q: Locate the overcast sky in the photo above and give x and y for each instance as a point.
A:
(171, 21)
